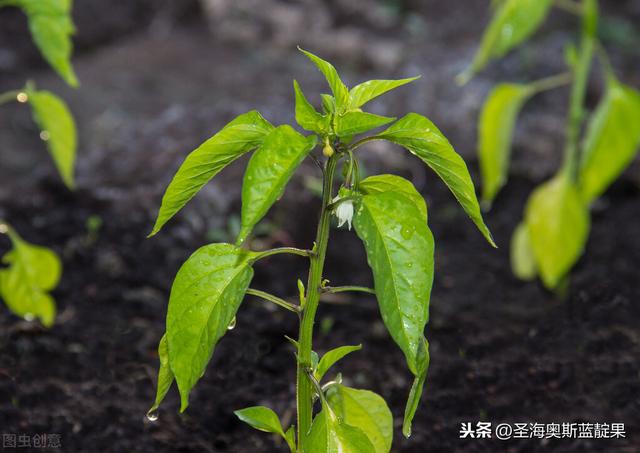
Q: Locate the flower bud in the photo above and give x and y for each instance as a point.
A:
(327, 150)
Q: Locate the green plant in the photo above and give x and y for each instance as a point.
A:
(32, 270)
(389, 216)
(552, 236)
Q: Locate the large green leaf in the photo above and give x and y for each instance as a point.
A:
(268, 173)
(523, 263)
(422, 138)
(331, 357)
(364, 410)
(366, 91)
(205, 297)
(392, 183)
(512, 23)
(330, 434)
(244, 133)
(53, 117)
(308, 117)
(495, 131)
(400, 249)
(165, 375)
(558, 226)
(354, 123)
(51, 27)
(32, 271)
(339, 89)
(612, 140)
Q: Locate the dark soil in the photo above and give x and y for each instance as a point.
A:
(501, 350)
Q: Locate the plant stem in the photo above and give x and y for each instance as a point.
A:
(8, 96)
(578, 94)
(549, 83)
(570, 6)
(274, 299)
(281, 250)
(342, 289)
(304, 387)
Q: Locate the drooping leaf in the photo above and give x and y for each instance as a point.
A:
(330, 434)
(51, 27)
(261, 418)
(339, 89)
(392, 183)
(612, 140)
(512, 23)
(268, 173)
(366, 91)
(558, 225)
(331, 357)
(58, 128)
(308, 117)
(365, 410)
(523, 263)
(205, 297)
(354, 123)
(422, 138)
(244, 133)
(32, 271)
(165, 375)
(495, 131)
(413, 401)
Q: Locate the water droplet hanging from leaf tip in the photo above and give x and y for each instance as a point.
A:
(152, 415)
(232, 324)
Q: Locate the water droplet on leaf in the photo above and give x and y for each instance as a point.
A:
(232, 324)
(152, 415)
(29, 317)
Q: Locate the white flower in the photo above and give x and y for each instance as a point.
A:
(344, 212)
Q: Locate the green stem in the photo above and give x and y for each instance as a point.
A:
(549, 83)
(9, 96)
(570, 6)
(274, 299)
(304, 387)
(342, 289)
(282, 250)
(578, 91)
(361, 142)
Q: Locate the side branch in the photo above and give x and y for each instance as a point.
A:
(281, 250)
(342, 289)
(274, 299)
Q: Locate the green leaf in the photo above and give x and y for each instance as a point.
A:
(612, 139)
(339, 89)
(268, 173)
(261, 418)
(58, 128)
(392, 183)
(290, 438)
(330, 434)
(165, 375)
(364, 410)
(205, 297)
(513, 22)
(307, 116)
(32, 271)
(51, 27)
(328, 104)
(413, 401)
(354, 123)
(523, 263)
(422, 138)
(558, 226)
(244, 133)
(495, 130)
(366, 91)
(331, 357)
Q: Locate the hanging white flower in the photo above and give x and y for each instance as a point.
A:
(344, 211)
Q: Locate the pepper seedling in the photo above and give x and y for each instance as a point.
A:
(388, 214)
(32, 270)
(552, 236)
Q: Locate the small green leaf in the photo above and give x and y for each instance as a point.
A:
(32, 271)
(205, 297)
(268, 173)
(290, 438)
(558, 225)
(422, 138)
(339, 89)
(523, 263)
(261, 418)
(58, 128)
(495, 130)
(612, 139)
(330, 434)
(354, 123)
(307, 116)
(364, 410)
(513, 22)
(331, 357)
(392, 183)
(165, 375)
(328, 104)
(244, 133)
(366, 91)
(51, 27)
